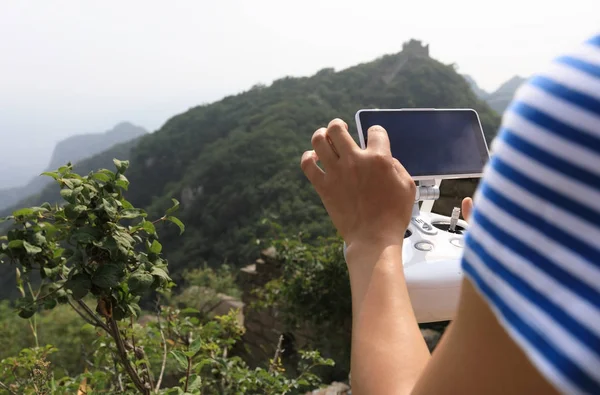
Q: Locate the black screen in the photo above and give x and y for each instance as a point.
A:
(432, 142)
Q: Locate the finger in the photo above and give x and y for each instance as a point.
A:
(399, 168)
(323, 148)
(378, 140)
(343, 143)
(313, 172)
(467, 208)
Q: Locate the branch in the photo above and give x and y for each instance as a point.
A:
(86, 319)
(132, 332)
(187, 374)
(6, 388)
(119, 381)
(164, 361)
(142, 355)
(93, 316)
(116, 334)
(277, 354)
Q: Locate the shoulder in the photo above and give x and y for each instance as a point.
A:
(533, 249)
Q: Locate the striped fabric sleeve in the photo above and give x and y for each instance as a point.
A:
(533, 247)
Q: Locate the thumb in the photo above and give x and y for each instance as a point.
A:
(467, 207)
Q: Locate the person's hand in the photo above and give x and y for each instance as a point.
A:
(467, 208)
(367, 193)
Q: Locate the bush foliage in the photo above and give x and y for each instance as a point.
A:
(96, 256)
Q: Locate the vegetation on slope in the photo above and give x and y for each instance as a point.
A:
(236, 161)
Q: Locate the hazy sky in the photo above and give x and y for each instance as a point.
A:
(70, 67)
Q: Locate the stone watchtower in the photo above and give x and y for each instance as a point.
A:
(415, 48)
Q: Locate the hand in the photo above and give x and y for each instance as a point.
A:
(467, 208)
(367, 193)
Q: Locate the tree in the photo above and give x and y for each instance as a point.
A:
(99, 255)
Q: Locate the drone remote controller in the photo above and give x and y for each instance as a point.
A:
(431, 253)
(432, 144)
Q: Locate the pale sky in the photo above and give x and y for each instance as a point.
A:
(71, 67)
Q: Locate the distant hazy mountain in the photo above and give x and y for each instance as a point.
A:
(501, 97)
(480, 93)
(72, 149)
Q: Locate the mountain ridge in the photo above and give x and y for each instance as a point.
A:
(500, 98)
(234, 163)
(72, 149)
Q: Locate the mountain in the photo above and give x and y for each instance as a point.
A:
(72, 149)
(480, 93)
(501, 97)
(234, 162)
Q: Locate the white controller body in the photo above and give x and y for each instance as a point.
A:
(432, 266)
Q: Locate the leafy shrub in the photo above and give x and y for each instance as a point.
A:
(312, 296)
(98, 255)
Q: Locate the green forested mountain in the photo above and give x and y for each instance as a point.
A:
(72, 149)
(499, 99)
(236, 161)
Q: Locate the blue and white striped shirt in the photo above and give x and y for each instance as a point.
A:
(533, 248)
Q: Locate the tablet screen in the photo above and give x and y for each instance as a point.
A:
(443, 143)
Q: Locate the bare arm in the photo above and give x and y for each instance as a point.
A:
(369, 196)
(388, 350)
(476, 356)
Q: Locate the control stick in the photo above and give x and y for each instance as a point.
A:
(454, 219)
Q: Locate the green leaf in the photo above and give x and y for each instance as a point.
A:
(88, 328)
(80, 208)
(80, 284)
(135, 309)
(67, 194)
(161, 275)
(52, 272)
(39, 239)
(27, 312)
(86, 235)
(107, 172)
(15, 244)
(195, 346)
(110, 209)
(58, 253)
(23, 212)
(65, 169)
(49, 304)
(52, 174)
(156, 247)
(126, 205)
(174, 208)
(31, 249)
(122, 182)
(195, 382)
(124, 241)
(132, 213)
(148, 227)
(101, 177)
(107, 276)
(67, 182)
(190, 310)
(180, 358)
(177, 222)
(121, 165)
(140, 281)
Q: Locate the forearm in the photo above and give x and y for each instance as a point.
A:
(388, 350)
